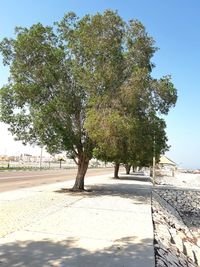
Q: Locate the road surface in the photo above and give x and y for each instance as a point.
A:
(12, 180)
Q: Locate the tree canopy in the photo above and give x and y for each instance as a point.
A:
(84, 86)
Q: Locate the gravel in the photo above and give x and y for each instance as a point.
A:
(176, 217)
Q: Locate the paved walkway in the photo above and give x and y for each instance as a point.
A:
(108, 227)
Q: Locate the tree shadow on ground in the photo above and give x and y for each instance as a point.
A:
(136, 192)
(139, 192)
(135, 177)
(66, 253)
(134, 173)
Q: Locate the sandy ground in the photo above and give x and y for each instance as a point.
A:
(185, 180)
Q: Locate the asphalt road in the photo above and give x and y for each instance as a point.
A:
(11, 180)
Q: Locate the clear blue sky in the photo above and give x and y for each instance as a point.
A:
(175, 26)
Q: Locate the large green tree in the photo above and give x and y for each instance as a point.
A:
(43, 102)
(126, 126)
(61, 75)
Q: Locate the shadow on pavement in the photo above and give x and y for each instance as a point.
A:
(137, 177)
(140, 191)
(124, 252)
(136, 192)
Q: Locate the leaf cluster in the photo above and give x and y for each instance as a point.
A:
(84, 86)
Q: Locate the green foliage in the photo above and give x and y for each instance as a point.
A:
(42, 102)
(84, 86)
(109, 130)
(124, 122)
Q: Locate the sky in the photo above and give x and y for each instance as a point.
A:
(174, 25)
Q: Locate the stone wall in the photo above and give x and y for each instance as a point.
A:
(186, 202)
(175, 243)
(183, 200)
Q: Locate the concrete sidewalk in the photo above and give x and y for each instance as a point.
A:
(108, 227)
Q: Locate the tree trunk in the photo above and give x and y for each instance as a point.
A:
(151, 172)
(82, 169)
(134, 168)
(128, 168)
(116, 170)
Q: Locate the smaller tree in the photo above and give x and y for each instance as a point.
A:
(127, 168)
